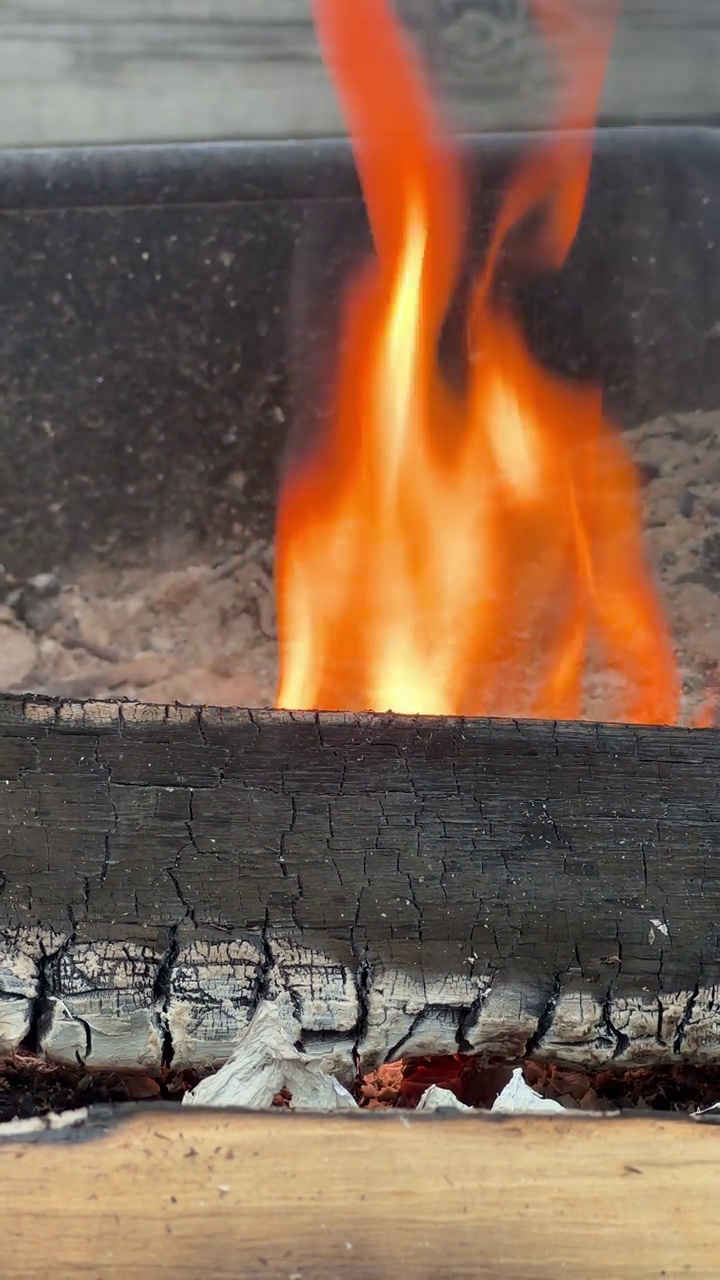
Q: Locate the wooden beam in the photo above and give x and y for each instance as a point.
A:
(494, 72)
(410, 886)
(171, 1191)
(133, 71)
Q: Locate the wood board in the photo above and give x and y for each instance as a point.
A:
(128, 71)
(493, 70)
(167, 1192)
(408, 885)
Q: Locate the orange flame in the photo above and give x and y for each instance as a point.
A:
(461, 552)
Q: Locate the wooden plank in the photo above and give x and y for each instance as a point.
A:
(131, 71)
(172, 1192)
(493, 71)
(72, 71)
(409, 885)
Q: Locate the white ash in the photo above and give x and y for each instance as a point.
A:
(437, 1099)
(265, 1061)
(517, 1096)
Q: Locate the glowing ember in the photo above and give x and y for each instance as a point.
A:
(444, 551)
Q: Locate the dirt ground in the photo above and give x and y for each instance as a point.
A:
(201, 633)
(197, 630)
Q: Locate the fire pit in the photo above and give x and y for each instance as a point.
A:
(476, 839)
(475, 832)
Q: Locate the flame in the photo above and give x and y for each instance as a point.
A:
(447, 551)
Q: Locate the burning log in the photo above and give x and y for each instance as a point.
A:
(406, 886)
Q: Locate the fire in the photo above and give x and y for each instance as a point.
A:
(462, 551)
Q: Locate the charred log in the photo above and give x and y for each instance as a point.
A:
(408, 886)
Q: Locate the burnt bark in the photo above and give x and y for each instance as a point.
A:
(408, 885)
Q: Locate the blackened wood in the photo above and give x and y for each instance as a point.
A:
(408, 884)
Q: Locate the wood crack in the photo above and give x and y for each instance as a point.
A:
(398, 881)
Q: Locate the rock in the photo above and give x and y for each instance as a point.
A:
(13, 598)
(45, 585)
(696, 426)
(687, 503)
(702, 578)
(35, 602)
(40, 615)
(711, 551)
(648, 471)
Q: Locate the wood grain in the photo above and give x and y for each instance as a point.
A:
(136, 70)
(72, 71)
(493, 70)
(172, 1191)
(408, 885)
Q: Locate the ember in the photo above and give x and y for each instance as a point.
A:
(474, 551)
